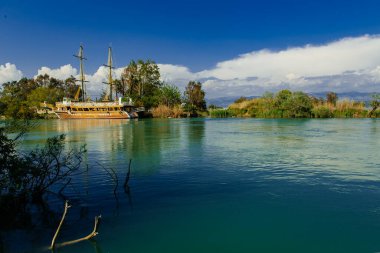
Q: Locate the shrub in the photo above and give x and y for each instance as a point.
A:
(322, 111)
(220, 113)
(241, 99)
(177, 111)
(161, 111)
(349, 109)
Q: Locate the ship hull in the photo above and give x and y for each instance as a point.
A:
(88, 115)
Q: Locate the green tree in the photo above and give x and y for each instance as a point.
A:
(299, 105)
(281, 101)
(14, 97)
(141, 82)
(194, 96)
(41, 94)
(170, 95)
(332, 98)
(18, 99)
(70, 87)
(375, 103)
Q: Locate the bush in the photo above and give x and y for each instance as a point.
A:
(32, 174)
(163, 111)
(322, 111)
(349, 109)
(241, 99)
(177, 111)
(220, 113)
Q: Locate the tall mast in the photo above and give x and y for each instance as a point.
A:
(81, 57)
(110, 67)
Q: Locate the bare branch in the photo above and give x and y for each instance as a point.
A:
(67, 206)
(128, 174)
(91, 235)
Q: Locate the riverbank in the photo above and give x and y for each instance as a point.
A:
(286, 104)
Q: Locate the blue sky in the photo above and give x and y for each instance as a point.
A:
(196, 35)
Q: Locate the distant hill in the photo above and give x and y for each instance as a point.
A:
(357, 96)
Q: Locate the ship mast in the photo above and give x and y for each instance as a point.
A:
(110, 67)
(81, 57)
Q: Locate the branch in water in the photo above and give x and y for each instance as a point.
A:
(91, 235)
(128, 174)
(67, 206)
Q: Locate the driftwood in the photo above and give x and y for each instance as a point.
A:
(91, 235)
(67, 206)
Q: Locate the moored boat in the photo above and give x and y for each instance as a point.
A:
(121, 108)
(95, 110)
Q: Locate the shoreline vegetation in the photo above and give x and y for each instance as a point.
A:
(31, 98)
(287, 104)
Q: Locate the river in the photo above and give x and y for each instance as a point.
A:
(217, 185)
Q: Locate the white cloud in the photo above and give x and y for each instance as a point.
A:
(349, 64)
(176, 72)
(9, 72)
(96, 81)
(61, 73)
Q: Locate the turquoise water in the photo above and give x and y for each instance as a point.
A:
(219, 185)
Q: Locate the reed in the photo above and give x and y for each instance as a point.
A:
(220, 113)
(350, 109)
(177, 111)
(163, 111)
(324, 110)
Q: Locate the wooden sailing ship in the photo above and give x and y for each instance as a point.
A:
(80, 107)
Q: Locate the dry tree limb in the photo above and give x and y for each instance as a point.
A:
(67, 206)
(91, 235)
(113, 175)
(64, 186)
(128, 174)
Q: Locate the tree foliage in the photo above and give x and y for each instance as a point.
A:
(32, 174)
(170, 95)
(375, 103)
(332, 98)
(194, 97)
(141, 81)
(284, 104)
(18, 99)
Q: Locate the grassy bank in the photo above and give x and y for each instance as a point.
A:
(286, 104)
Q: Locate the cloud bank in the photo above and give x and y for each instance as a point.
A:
(348, 64)
(9, 72)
